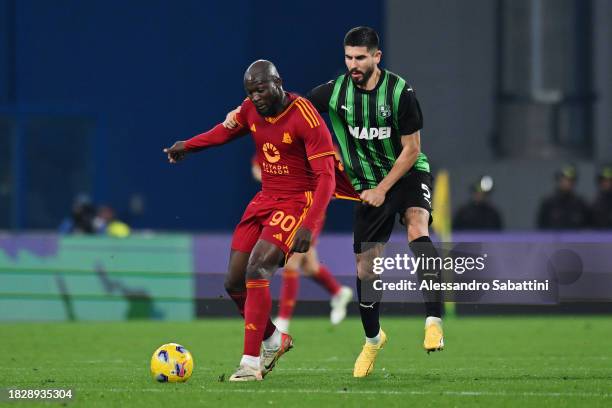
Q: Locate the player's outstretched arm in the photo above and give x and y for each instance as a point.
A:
(216, 136)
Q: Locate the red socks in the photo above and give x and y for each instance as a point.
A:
(289, 292)
(240, 299)
(324, 278)
(255, 304)
(257, 315)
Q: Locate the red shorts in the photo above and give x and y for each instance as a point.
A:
(274, 218)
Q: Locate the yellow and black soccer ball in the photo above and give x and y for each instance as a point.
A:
(171, 363)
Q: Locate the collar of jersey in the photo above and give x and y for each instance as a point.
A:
(274, 119)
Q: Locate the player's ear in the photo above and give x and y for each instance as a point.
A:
(377, 56)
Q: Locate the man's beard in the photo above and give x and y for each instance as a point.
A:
(365, 76)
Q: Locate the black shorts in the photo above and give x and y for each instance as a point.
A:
(375, 224)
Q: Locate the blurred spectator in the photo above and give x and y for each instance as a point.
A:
(86, 220)
(479, 213)
(601, 210)
(82, 217)
(564, 209)
(105, 222)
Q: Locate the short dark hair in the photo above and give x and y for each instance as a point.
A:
(362, 37)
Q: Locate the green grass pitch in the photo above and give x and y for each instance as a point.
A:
(488, 362)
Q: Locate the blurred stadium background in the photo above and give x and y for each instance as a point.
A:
(90, 93)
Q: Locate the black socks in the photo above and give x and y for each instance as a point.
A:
(369, 304)
(423, 247)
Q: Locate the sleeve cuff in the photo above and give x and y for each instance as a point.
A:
(316, 156)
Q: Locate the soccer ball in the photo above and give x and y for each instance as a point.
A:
(171, 363)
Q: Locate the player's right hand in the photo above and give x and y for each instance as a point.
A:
(301, 240)
(177, 152)
(230, 121)
(374, 197)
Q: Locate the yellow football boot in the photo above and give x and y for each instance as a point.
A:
(364, 364)
(434, 336)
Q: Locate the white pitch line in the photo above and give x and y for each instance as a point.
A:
(371, 392)
(573, 370)
(103, 361)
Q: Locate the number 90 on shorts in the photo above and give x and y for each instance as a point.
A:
(285, 221)
(274, 219)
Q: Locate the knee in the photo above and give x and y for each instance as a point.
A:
(309, 272)
(365, 270)
(294, 262)
(417, 228)
(257, 268)
(310, 268)
(365, 275)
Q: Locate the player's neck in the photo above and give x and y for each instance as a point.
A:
(282, 105)
(372, 81)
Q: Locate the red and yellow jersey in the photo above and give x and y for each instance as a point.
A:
(344, 188)
(286, 143)
(285, 146)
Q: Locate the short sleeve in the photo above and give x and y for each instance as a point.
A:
(244, 108)
(410, 117)
(316, 136)
(321, 95)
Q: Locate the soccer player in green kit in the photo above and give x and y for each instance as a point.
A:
(377, 119)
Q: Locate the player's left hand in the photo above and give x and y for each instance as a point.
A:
(301, 241)
(176, 152)
(374, 197)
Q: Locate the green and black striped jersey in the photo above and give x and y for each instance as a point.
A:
(369, 124)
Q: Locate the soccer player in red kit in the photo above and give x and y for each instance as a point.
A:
(296, 155)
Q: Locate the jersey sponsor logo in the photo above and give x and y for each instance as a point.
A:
(271, 153)
(274, 169)
(370, 133)
(384, 111)
(287, 138)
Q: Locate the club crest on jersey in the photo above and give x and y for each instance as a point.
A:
(287, 138)
(271, 153)
(370, 133)
(384, 111)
